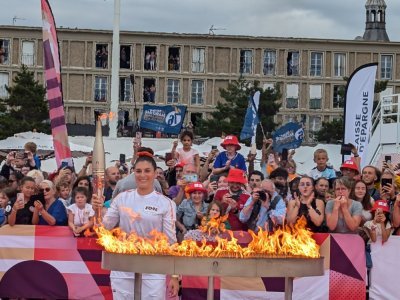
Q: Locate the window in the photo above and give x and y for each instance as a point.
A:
(339, 64)
(293, 59)
(338, 100)
(3, 84)
(246, 61)
(173, 91)
(386, 66)
(28, 53)
(4, 52)
(100, 89)
(125, 57)
(387, 99)
(198, 57)
(173, 59)
(290, 118)
(149, 90)
(125, 89)
(150, 58)
(269, 62)
(292, 95)
(101, 56)
(197, 92)
(315, 96)
(316, 64)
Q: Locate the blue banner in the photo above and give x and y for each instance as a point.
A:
(289, 136)
(250, 121)
(166, 118)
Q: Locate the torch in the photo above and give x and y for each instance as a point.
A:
(98, 165)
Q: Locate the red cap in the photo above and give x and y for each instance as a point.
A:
(349, 164)
(196, 187)
(231, 140)
(179, 165)
(237, 175)
(382, 204)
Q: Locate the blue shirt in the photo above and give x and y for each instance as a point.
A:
(2, 216)
(328, 173)
(57, 211)
(238, 161)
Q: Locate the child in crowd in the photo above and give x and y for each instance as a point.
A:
(186, 155)
(5, 196)
(21, 211)
(80, 214)
(379, 228)
(322, 169)
(191, 211)
(64, 193)
(230, 158)
(208, 231)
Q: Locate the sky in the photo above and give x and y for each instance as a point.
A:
(331, 19)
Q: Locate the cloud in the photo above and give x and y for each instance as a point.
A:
(339, 19)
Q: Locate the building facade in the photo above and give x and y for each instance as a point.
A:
(189, 69)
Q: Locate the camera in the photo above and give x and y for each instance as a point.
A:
(263, 195)
(346, 149)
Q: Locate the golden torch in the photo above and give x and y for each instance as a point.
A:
(98, 166)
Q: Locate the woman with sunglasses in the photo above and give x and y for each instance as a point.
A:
(51, 211)
(305, 204)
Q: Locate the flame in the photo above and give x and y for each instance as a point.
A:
(290, 241)
(105, 116)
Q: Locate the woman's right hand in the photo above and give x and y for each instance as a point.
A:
(337, 202)
(97, 202)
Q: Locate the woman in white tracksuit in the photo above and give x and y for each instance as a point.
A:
(154, 211)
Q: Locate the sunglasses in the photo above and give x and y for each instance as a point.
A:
(45, 190)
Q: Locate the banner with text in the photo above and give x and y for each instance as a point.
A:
(358, 108)
(288, 136)
(166, 118)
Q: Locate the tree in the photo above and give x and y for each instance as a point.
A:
(228, 116)
(25, 109)
(332, 132)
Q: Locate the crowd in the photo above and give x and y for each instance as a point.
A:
(181, 200)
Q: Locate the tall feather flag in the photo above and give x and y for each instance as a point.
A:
(52, 71)
(251, 119)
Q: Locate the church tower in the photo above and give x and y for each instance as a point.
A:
(375, 25)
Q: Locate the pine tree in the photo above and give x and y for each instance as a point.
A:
(25, 109)
(228, 116)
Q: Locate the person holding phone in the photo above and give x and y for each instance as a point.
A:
(343, 214)
(387, 190)
(22, 206)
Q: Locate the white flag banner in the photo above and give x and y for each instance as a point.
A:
(358, 108)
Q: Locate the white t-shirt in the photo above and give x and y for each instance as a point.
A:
(186, 157)
(81, 216)
(152, 211)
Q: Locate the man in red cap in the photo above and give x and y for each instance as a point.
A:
(230, 158)
(234, 197)
(349, 169)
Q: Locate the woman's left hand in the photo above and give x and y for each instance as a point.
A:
(38, 206)
(173, 287)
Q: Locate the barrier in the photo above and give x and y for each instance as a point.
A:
(42, 259)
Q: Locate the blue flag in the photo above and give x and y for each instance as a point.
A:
(166, 118)
(250, 120)
(288, 136)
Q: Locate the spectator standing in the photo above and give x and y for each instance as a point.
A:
(112, 176)
(322, 169)
(187, 154)
(81, 213)
(379, 228)
(343, 214)
(230, 158)
(371, 175)
(22, 206)
(360, 194)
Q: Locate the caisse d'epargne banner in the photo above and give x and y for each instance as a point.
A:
(166, 118)
(358, 108)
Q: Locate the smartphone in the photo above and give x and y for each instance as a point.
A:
(213, 147)
(168, 156)
(346, 149)
(388, 159)
(214, 178)
(285, 153)
(386, 181)
(122, 158)
(138, 138)
(190, 177)
(20, 197)
(64, 164)
(25, 155)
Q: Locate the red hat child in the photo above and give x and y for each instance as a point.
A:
(237, 175)
(382, 204)
(195, 187)
(349, 164)
(231, 140)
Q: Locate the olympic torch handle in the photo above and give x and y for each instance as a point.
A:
(98, 189)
